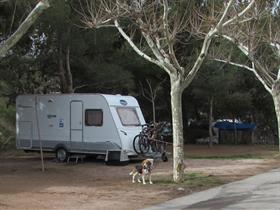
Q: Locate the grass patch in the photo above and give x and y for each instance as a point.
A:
(230, 157)
(192, 180)
(277, 156)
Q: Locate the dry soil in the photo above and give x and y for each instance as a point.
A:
(94, 185)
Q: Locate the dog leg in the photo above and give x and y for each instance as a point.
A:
(150, 178)
(133, 178)
(138, 179)
(143, 178)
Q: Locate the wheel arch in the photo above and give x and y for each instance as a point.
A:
(61, 146)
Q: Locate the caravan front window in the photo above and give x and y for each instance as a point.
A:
(128, 116)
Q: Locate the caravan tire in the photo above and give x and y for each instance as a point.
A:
(61, 154)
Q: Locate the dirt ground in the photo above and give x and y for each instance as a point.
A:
(94, 185)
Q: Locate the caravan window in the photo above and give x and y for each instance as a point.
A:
(94, 117)
(128, 116)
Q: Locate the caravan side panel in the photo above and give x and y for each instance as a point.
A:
(47, 118)
(24, 122)
(53, 121)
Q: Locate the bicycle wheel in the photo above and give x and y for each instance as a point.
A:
(144, 144)
(154, 146)
(162, 145)
(159, 145)
(136, 144)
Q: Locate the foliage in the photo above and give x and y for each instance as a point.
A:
(11, 15)
(7, 124)
(227, 87)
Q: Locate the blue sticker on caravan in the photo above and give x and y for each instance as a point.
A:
(61, 123)
(123, 102)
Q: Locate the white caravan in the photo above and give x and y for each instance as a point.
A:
(79, 124)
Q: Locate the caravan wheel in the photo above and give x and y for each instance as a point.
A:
(61, 154)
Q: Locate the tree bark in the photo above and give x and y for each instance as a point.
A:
(69, 79)
(235, 130)
(61, 67)
(25, 25)
(64, 67)
(154, 111)
(177, 122)
(210, 122)
(276, 100)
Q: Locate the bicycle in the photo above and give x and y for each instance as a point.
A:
(151, 137)
(141, 141)
(158, 141)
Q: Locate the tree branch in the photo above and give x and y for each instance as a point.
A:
(149, 97)
(25, 25)
(13, 18)
(245, 50)
(219, 24)
(277, 47)
(252, 69)
(134, 47)
(235, 18)
(206, 43)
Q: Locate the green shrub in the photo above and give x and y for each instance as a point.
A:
(7, 125)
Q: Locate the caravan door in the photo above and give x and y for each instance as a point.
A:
(76, 125)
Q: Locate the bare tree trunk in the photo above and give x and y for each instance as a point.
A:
(64, 67)
(150, 94)
(235, 130)
(276, 100)
(178, 139)
(61, 67)
(69, 79)
(23, 28)
(210, 122)
(154, 111)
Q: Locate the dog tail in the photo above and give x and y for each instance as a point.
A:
(131, 173)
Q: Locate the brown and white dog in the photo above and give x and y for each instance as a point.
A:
(142, 170)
